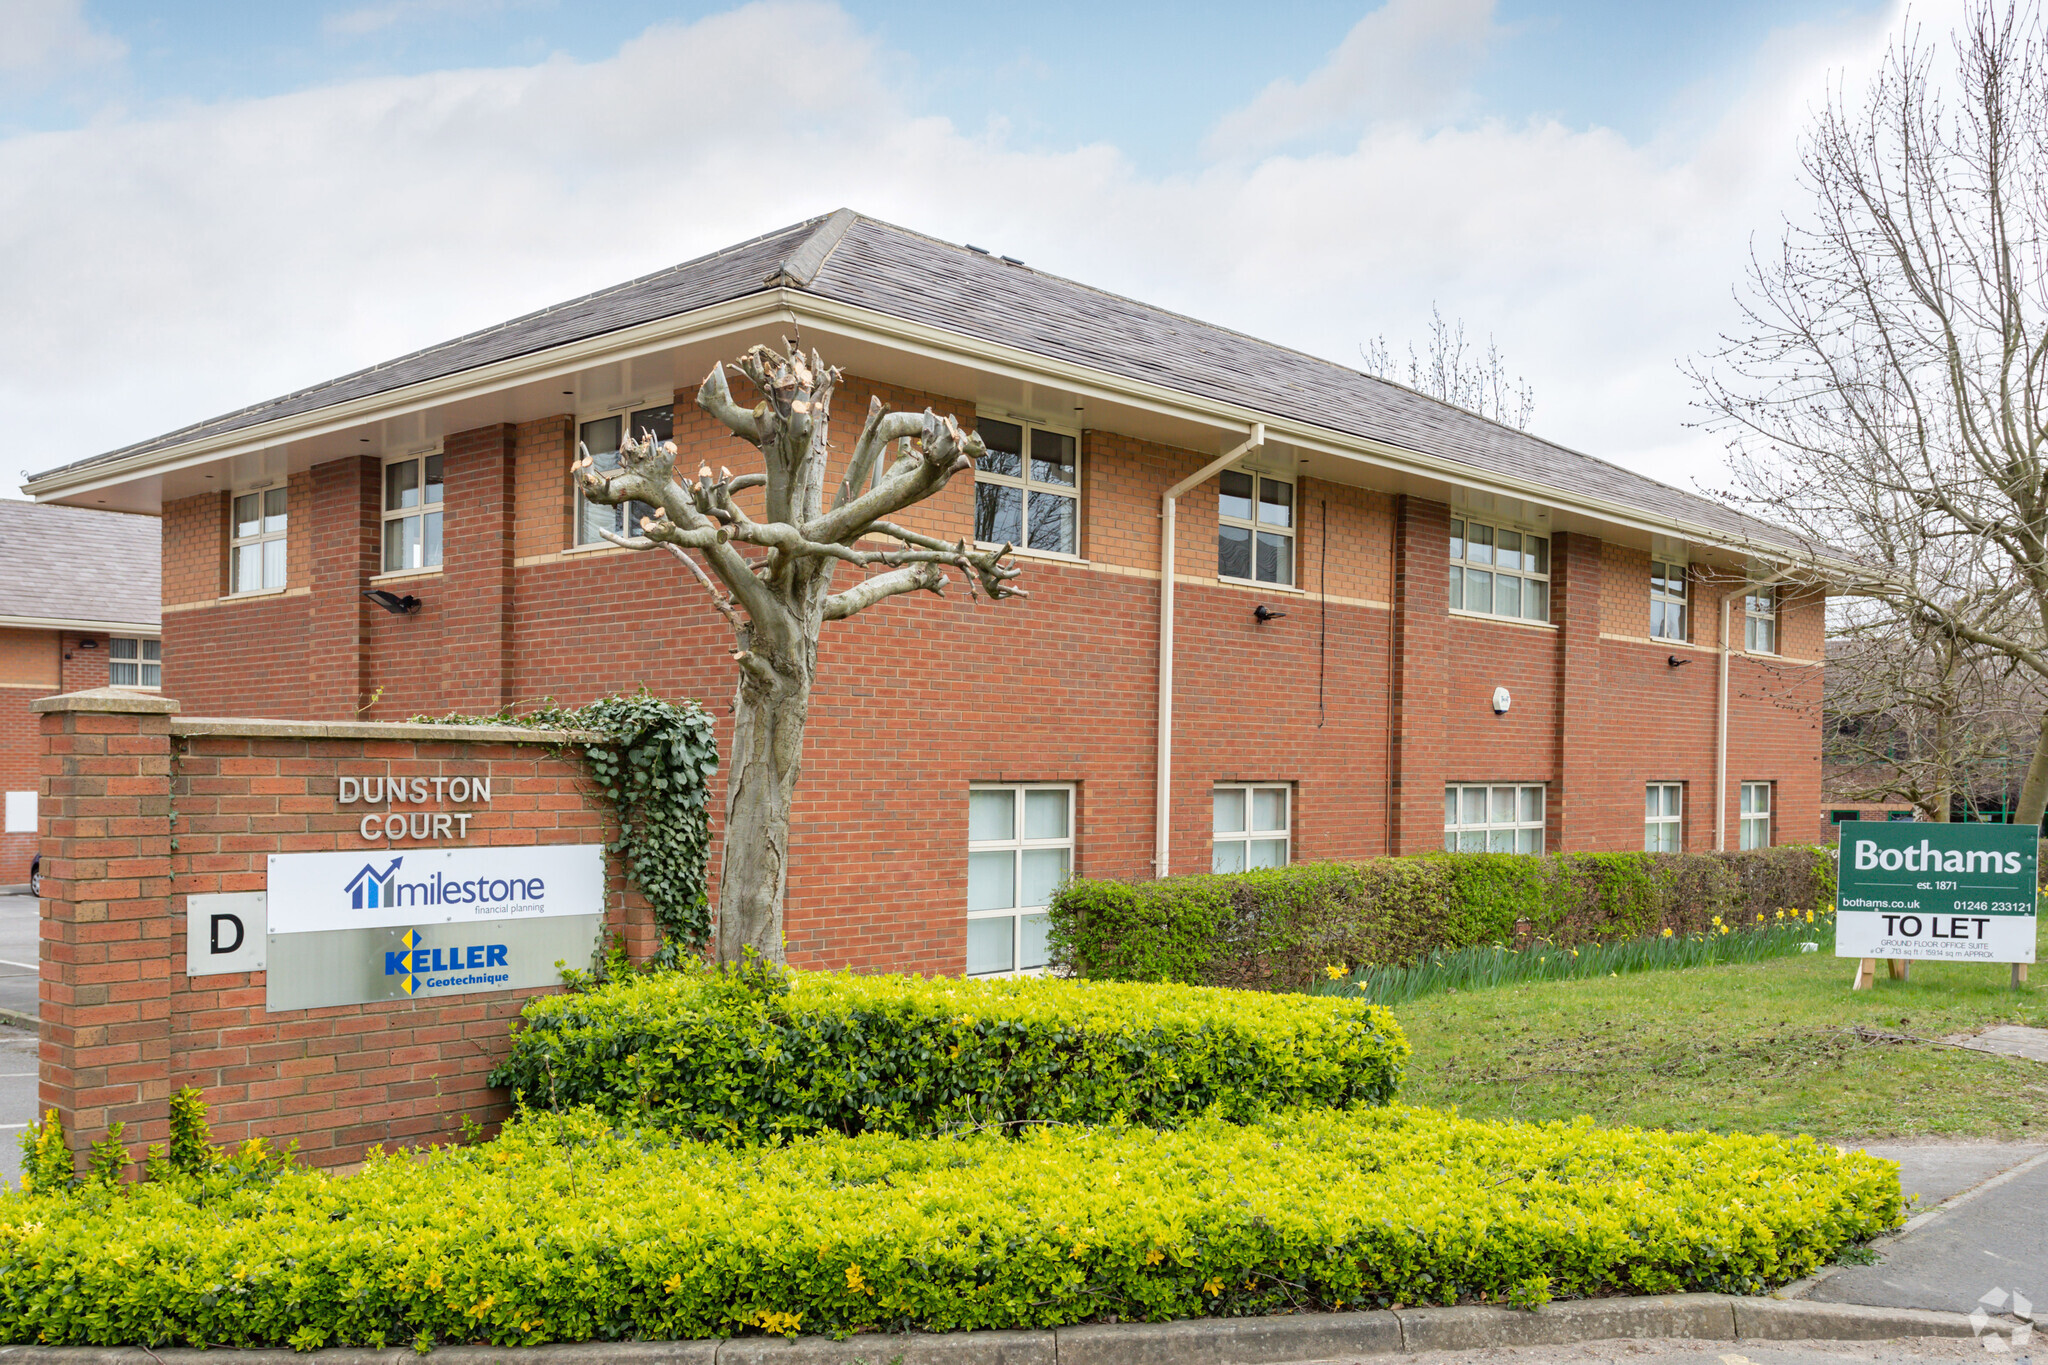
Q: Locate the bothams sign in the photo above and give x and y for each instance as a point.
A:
(347, 928)
(1948, 892)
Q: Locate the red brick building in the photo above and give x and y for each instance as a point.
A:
(1394, 626)
(78, 609)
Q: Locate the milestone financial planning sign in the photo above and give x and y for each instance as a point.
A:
(351, 927)
(1947, 892)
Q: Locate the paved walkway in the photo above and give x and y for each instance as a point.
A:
(1919, 1351)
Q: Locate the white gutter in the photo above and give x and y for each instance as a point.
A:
(153, 628)
(1162, 810)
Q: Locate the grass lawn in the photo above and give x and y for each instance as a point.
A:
(1763, 1047)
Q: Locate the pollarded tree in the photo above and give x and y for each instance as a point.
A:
(779, 600)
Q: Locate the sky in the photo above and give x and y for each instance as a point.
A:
(204, 205)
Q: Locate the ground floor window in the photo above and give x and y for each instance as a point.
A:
(135, 663)
(1490, 819)
(1843, 817)
(1756, 815)
(1663, 803)
(1252, 827)
(1020, 847)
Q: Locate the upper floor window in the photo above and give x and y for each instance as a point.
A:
(602, 436)
(256, 546)
(1760, 621)
(412, 513)
(1756, 815)
(1493, 819)
(1027, 488)
(135, 663)
(1499, 572)
(1667, 601)
(1252, 828)
(1020, 847)
(1255, 528)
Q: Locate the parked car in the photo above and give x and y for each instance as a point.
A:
(35, 875)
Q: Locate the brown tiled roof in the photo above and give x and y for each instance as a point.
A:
(903, 274)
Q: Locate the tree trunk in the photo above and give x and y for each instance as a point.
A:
(2034, 791)
(770, 709)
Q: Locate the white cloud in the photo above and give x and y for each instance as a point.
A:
(367, 19)
(1405, 60)
(164, 270)
(41, 39)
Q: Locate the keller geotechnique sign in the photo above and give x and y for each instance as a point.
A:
(350, 928)
(1946, 892)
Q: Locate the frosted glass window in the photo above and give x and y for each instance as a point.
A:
(1252, 827)
(1020, 850)
(1493, 819)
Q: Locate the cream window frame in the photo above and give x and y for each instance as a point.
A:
(1249, 831)
(1528, 581)
(1753, 821)
(148, 656)
(1760, 620)
(1018, 847)
(419, 512)
(1257, 527)
(1026, 485)
(1483, 829)
(1664, 602)
(623, 409)
(264, 537)
(1664, 817)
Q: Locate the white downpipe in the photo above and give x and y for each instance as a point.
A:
(1162, 809)
(1721, 713)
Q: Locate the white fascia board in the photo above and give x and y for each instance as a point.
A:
(149, 632)
(900, 334)
(939, 344)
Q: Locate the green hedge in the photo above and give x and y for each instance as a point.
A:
(1284, 926)
(763, 1056)
(561, 1230)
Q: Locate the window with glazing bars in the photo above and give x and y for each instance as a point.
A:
(1493, 819)
(412, 513)
(1663, 827)
(1020, 847)
(1030, 501)
(1756, 815)
(135, 663)
(602, 436)
(1667, 601)
(256, 548)
(1251, 827)
(1255, 528)
(1760, 621)
(1496, 571)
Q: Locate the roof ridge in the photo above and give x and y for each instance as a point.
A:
(803, 264)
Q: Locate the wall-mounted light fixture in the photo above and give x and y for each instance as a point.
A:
(1265, 613)
(88, 643)
(393, 603)
(1675, 662)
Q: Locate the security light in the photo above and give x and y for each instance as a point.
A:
(1266, 613)
(1675, 662)
(393, 603)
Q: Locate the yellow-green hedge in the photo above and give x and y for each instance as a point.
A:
(562, 1230)
(760, 1055)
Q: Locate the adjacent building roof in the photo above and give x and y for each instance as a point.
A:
(79, 566)
(859, 261)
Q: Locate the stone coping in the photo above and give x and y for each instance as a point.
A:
(1204, 1341)
(105, 700)
(190, 726)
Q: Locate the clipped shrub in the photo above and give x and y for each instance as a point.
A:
(1279, 928)
(754, 1056)
(562, 1230)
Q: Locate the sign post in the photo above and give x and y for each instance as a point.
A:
(1938, 892)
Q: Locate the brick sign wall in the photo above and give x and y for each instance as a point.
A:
(146, 809)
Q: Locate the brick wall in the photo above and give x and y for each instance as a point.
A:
(1367, 695)
(148, 809)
